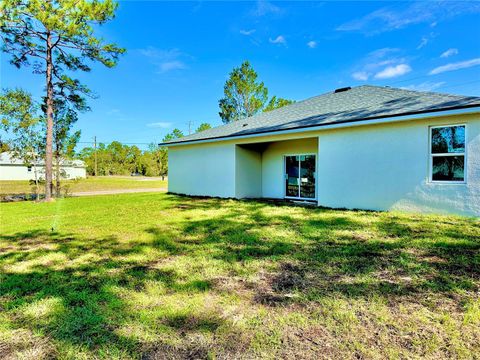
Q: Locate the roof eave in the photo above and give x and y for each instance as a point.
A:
(465, 109)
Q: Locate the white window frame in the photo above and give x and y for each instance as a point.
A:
(432, 155)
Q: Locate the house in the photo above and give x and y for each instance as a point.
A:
(365, 147)
(12, 168)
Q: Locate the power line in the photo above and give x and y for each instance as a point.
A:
(108, 142)
(427, 76)
(439, 87)
(406, 80)
(460, 84)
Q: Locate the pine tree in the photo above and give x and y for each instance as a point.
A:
(58, 35)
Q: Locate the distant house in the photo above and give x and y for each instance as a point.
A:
(366, 147)
(14, 169)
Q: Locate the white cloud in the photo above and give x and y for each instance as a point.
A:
(114, 112)
(280, 39)
(425, 86)
(393, 71)
(165, 60)
(171, 65)
(312, 44)
(455, 66)
(375, 61)
(247, 32)
(264, 7)
(423, 43)
(449, 52)
(152, 52)
(389, 18)
(361, 75)
(381, 53)
(382, 20)
(160, 124)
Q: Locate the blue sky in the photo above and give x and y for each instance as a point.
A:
(179, 55)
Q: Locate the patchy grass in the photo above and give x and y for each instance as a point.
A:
(90, 184)
(156, 276)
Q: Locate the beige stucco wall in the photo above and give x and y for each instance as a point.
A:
(273, 167)
(202, 170)
(386, 167)
(248, 173)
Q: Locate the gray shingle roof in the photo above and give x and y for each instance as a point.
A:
(357, 104)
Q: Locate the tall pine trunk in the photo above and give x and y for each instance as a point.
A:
(57, 174)
(48, 149)
(37, 190)
(35, 161)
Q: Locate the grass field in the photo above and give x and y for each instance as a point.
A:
(156, 276)
(89, 184)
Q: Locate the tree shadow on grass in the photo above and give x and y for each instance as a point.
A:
(81, 294)
(299, 256)
(234, 239)
(50, 288)
(335, 254)
(399, 260)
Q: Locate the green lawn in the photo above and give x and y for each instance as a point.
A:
(89, 184)
(156, 276)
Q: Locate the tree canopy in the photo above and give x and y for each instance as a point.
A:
(59, 34)
(20, 115)
(175, 134)
(203, 127)
(245, 95)
(276, 103)
(17, 110)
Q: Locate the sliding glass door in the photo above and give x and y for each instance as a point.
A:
(300, 176)
(292, 176)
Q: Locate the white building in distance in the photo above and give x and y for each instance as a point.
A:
(12, 168)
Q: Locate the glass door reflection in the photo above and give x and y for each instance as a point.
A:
(300, 176)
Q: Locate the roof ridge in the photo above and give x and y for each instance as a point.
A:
(358, 103)
(387, 87)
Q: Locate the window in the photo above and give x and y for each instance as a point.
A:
(29, 168)
(447, 153)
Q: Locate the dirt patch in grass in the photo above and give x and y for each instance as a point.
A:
(279, 288)
(196, 347)
(310, 343)
(290, 277)
(234, 284)
(25, 345)
(234, 345)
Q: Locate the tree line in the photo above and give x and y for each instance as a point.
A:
(121, 159)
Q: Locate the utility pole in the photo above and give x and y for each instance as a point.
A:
(189, 127)
(95, 152)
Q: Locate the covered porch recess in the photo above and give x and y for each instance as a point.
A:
(279, 169)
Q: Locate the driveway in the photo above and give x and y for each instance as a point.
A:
(117, 191)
